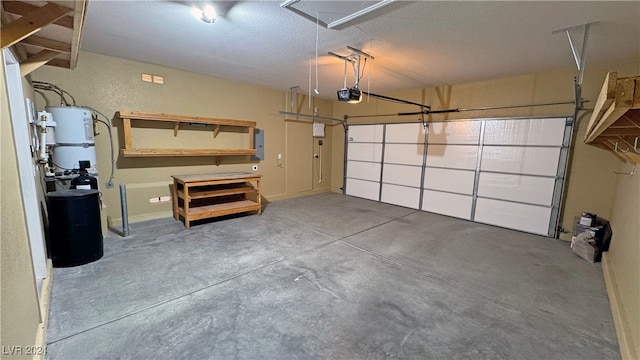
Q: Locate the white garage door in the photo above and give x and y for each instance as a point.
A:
(504, 172)
(364, 161)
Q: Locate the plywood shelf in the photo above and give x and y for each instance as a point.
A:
(615, 122)
(196, 193)
(129, 116)
(228, 208)
(185, 152)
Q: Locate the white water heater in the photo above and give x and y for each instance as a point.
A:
(74, 138)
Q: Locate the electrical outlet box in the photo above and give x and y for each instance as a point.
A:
(159, 199)
(258, 141)
(157, 79)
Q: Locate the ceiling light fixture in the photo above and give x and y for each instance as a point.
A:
(207, 13)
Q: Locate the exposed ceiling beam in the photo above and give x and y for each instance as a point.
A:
(80, 12)
(31, 23)
(36, 60)
(48, 44)
(22, 9)
(59, 63)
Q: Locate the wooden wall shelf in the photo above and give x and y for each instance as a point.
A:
(129, 151)
(615, 122)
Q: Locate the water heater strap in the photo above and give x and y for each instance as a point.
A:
(84, 145)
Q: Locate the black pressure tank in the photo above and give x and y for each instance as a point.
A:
(75, 232)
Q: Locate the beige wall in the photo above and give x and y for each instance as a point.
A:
(19, 312)
(110, 84)
(623, 264)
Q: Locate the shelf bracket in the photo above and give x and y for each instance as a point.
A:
(216, 130)
(176, 126)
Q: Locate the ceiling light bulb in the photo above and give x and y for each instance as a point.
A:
(209, 14)
(197, 13)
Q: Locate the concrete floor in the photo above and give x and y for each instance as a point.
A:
(331, 277)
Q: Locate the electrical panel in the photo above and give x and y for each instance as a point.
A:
(258, 141)
(318, 129)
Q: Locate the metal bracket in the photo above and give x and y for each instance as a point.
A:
(293, 98)
(579, 56)
(354, 59)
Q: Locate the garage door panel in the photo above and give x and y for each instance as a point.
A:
(405, 133)
(452, 156)
(365, 152)
(366, 133)
(401, 195)
(364, 170)
(530, 218)
(549, 132)
(459, 132)
(513, 188)
(364, 189)
(459, 181)
(447, 204)
(528, 189)
(523, 160)
(402, 175)
(408, 154)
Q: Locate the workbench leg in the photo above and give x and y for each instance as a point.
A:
(186, 205)
(259, 197)
(175, 200)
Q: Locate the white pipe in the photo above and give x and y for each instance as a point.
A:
(320, 161)
(43, 142)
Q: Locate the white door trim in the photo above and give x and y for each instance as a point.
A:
(26, 167)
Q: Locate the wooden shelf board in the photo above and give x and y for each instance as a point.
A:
(615, 121)
(617, 97)
(202, 194)
(140, 115)
(185, 152)
(234, 207)
(216, 178)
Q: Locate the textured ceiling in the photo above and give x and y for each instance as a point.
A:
(415, 44)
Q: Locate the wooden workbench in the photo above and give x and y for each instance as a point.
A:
(203, 196)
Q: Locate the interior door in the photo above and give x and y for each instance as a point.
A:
(28, 171)
(299, 160)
